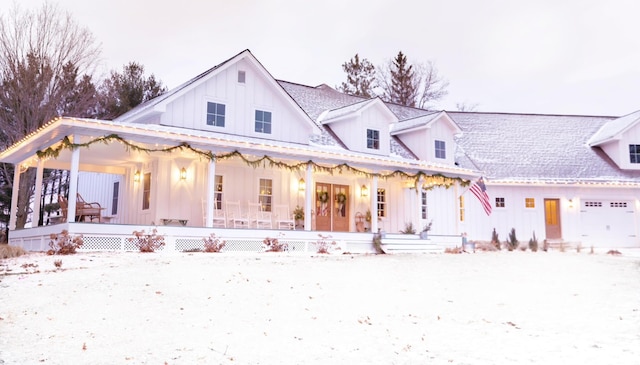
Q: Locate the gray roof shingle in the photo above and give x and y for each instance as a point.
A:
(527, 147)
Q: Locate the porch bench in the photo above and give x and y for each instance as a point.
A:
(174, 221)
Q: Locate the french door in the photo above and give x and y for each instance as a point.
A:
(332, 207)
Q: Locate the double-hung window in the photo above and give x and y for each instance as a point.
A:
(215, 114)
(373, 139)
(441, 150)
(265, 195)
(263, 122)
(382, 203)
(634, 153)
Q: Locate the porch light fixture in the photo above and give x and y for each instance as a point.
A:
(301, 185)
(570, 203)
(364, 191)
(136, 176)
(183, 174)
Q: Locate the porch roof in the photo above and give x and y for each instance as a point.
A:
(149, 135)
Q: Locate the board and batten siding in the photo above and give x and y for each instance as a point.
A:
(98, 187)
(579, 225)
(422, 142)
(353, 131)
(241, 100)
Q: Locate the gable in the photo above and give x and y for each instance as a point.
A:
(430, 137)
(620, 140)
(236, 97)
(362, 127)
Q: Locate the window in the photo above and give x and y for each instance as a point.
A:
(263, 122)
(499, 202)
(529, 203)
(264, 197)
(146, 191)
(373, 139)
(217, 199)
(423, 205)
(215, 114)
(114, 201)
(441, 151)
(241, 77)
(461, 208)
(382, 203)
(618, 204)
(634, 153)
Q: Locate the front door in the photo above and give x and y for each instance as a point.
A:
(332, 207)
(552, 218)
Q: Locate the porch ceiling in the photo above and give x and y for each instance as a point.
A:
(115, 156)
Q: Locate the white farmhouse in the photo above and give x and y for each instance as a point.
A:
(234, 152)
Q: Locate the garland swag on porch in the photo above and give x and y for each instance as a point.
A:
(429, 180)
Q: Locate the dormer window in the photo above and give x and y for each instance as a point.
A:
(373, 139)
(215, 114)
(263, 122)
(441, 150)
(634, 153)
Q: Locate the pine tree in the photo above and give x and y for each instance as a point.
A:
(360, 77)
(404, 88)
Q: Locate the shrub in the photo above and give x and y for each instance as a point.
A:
(57, 264)
(495, 240)
(63, 243)
(147, 242)
(274, 245)
(533, 243)
(377, 243)
(324, 246)
(512, 242)
(545, 246)
(7, 251)
(408, 229)
(213, 243)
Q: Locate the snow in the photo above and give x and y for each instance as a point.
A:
(272, 308)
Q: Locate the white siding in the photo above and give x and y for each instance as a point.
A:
(241, 100)
(422, 141)
(353, 131)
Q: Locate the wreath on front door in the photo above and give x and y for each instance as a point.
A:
(323, 197)
(341, 198)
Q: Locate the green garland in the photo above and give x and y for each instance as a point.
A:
(429, 181)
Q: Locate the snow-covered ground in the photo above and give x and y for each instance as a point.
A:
(271, 308)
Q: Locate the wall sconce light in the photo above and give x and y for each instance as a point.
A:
(570, 203)
(301, 185)
(136, 176)
(364, 191)
(183, 174)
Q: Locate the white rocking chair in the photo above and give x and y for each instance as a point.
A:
(283, 218)
(235, 216)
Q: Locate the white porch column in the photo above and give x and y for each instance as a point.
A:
(73, 184)
(374, 204)
(37, 194)
(211, 193)
(14, 197)
(308, 195)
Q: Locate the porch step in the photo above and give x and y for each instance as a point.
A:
(404, 243)
(561, 244)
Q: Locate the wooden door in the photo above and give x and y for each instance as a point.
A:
(552, 218)
(341, 208)
(323, 207)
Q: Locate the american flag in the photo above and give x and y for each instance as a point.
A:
(480, 191)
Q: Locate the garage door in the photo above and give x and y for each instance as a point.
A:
(608, 223)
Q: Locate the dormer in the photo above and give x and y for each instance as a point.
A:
(237, 97)
(363, 126)
(620, 140)
(430, 137)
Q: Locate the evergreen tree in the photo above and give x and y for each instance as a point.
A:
(361, 75)
(124, 91)
(404, 87)
(411, 85)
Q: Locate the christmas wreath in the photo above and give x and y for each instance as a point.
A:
(341, 198)
(323, 197)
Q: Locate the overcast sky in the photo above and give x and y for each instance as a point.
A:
(539, 56)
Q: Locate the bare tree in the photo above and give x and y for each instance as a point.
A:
(433, 87)
(467, 107)
(415, 85)
(42, 54)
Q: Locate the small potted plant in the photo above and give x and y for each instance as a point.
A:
(298, 216)
(425, 229)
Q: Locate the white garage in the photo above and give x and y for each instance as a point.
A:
(608, 223)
